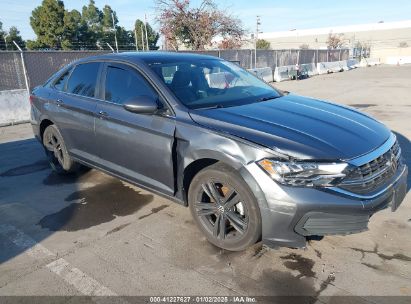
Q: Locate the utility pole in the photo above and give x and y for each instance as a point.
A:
(115, 32)
(257, 30)
(142, 37)
(145, 26)
(135, 38)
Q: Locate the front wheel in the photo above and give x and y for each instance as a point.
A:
(56, 151)
(224, 208)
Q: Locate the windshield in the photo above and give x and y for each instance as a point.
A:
(209, 83)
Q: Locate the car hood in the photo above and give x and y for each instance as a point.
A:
(300, 127)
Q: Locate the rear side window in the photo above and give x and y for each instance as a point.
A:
(125, 83)
(83, 79)
(61, 82)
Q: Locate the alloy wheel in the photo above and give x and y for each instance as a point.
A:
(53, 145)
(221, 211)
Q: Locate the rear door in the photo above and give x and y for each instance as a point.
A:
(76, 102)
(135, 146)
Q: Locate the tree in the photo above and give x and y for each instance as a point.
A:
(195, 26)
(107, 18)
(230, 43)
(35, 45)
(6, 39)
(47, 21)
(125, 39)
(263, 44)
(76, 33)
(2, 34)
(14, 35)
(335, 41)
(58, 28)
(92, 16)
(152, 35)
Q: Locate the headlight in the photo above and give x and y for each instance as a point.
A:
(308, 174)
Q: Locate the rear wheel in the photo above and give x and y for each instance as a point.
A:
(224, 208)
(56, 151)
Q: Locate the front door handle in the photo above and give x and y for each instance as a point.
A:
(102, 113)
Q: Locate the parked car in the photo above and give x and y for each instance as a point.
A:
(251, 162)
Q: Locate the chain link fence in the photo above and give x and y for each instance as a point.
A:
(11, 71)
(40, 65)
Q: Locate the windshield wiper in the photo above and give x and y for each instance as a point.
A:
(218, 106)
(268, 98)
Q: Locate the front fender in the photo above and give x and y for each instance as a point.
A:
(195, 143)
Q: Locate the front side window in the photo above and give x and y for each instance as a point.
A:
(123, 84)
(204, 83)
(83, 80)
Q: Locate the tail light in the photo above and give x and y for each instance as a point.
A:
(31, 99)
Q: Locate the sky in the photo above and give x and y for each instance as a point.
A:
(276, 15)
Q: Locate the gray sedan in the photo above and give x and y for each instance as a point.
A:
(250, 161)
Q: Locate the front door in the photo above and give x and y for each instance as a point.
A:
(135, 146)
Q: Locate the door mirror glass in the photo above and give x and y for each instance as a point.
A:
(141, 104)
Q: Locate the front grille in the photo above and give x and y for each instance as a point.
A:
(374, 174)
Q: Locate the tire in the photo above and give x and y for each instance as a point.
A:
(56, 151)
(236, 212)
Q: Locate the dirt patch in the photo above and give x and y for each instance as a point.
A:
(96, 205)
(324, 284)
(153, 211)
(118, 228)
(375, 267)
(285, 284)
(299, 263)
(260, 250)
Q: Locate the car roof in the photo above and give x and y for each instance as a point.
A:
(149, 56)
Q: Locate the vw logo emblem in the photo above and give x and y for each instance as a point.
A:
(220, 209)
(391, 162)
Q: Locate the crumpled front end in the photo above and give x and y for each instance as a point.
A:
(296, 213)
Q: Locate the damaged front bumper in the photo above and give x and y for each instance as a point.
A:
(291, 215)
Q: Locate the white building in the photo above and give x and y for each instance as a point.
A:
(388, 41)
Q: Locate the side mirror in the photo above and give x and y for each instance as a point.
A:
(141, 105)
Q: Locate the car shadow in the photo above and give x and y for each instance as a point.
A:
(35, 202)
(405, 145)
